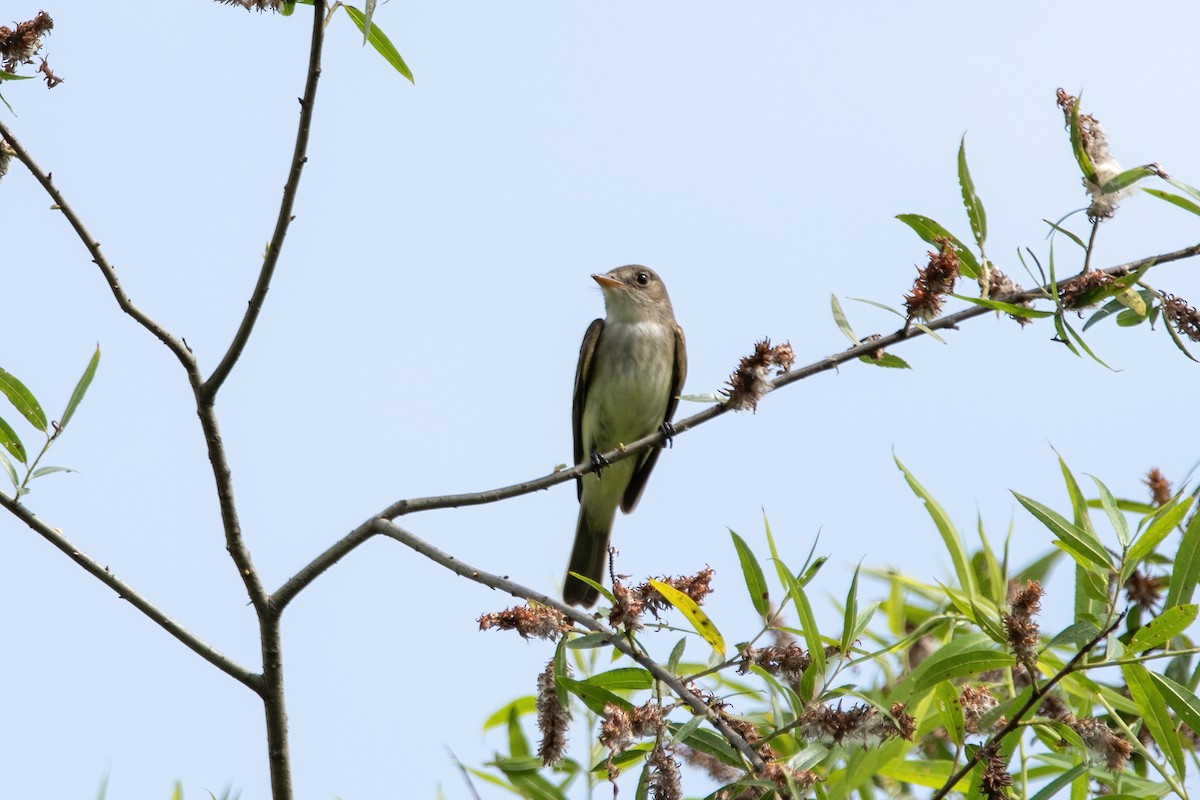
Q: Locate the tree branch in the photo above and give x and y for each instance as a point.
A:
(176, 345)
(283, 221)
(618, 640)
(1035, 699)
(206, 651)
(339, 549)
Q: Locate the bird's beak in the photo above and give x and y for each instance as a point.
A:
(606, 282)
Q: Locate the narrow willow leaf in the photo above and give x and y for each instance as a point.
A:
(1059, 229)
(1127, 178)
(950, 711)
(40, 471)
(1163, 628)
(597, 586)
(522, 705)
(1052, 788)
(518, 745)
(1184, 187)
(11, 442)
(24, 401)
(1181, 699)
(1187, 567)
(850, 617)
(1154, 712)
(700, 621)
(1081, 156)
(1162, 523)
(974, 205)
(950, 537)
(955, 662)
(81, 388)
(709, 742)
(839, 317)
(1080, 540)
(888, 360)
(1076, 634)
(9, 470)
(622, 678)
(380, 42)
(1084, 346)
(756, 582)
(1115, 516)
(594, 697)
(1174, 199)
(368, 14)
(1132, 301)
(1008, 308)
(877, 305)
(812, 636)
(1105, 311)
(930, 773)
(929, 231)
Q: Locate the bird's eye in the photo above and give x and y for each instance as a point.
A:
(643, 278)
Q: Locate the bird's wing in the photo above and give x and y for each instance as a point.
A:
(633, 492)
(583, 374)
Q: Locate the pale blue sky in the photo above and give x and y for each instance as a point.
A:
(423, 326)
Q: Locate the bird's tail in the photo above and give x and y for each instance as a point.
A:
(589, 554)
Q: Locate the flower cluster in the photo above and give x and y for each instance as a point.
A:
(1020, 626)
(541, 622)
(1185, 318)
(20, 44)
(631, 604)
(1094, 140)
(752, 379)
(553, 718)
(933, 282)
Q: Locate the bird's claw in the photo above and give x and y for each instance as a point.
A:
(668, 432)
(599, 462)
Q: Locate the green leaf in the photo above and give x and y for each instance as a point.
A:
(1059, 229)
(950, 537)
(8, 76)
(756, 582)
(518, 745)
(1174, 199)
(1083, 345)
(1115, 516)
(965, 655)
(605, 593)
(1163, 628)
(1178, 342)
(1181, 699)
(11, 442)
(1187, 567)
(1161, 524)
(1081, 156)
(24, 401)
(808, 623)
(1127, 178)
(676, 655)
(380, 42)
(1184, 187)
(368, 14)
(1079, 540)
(594, 697)
(81, 388)
(1008, 308)
(1052, 788)
(929, 231)
(40, 471)
(709, 742)
(850, 617)
(930, 773)
(1077, 634)
(1154, 713)
(950, 711)
(888, 360)
(627, 678)
(839, 317)
(9, 470)
(974, 205)
(700, 621)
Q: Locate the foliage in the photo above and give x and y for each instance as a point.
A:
(947, 686)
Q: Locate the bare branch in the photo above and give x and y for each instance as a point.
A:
(694, 702)
(206, 651)
(283, 221)
(339, 549)
(176, 345)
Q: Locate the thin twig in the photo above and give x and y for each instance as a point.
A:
(203, 649)
(698, 706)
(1087, 254)
(282, 222)
(1035, 699)
(339, 549)
(176, 345)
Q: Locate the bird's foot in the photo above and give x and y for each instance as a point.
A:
(668, 432)
(599, 462)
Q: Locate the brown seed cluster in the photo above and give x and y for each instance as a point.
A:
(1144, 589)
(861, 724)
(631, 604)
(541, 622)
(1102, 743)
(752, 379)
(664, 783)
(1094, 140)
(788, 661)
(1185, 318)
(1020, 626)
(933, 282)
(553, 719)
(1079, 292)
(996, 780)
(998, 286)
(1160, 487)
(621, 728)
(20, 44)
(976, 702)
(255, 5)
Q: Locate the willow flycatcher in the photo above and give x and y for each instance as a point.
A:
(631, 369)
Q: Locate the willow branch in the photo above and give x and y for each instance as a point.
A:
(618, 640)
(339, 549)
(126, 592)
(282, 222)
(173, 343)
(1035, 699)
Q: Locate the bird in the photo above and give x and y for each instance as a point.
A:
(632, 365)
